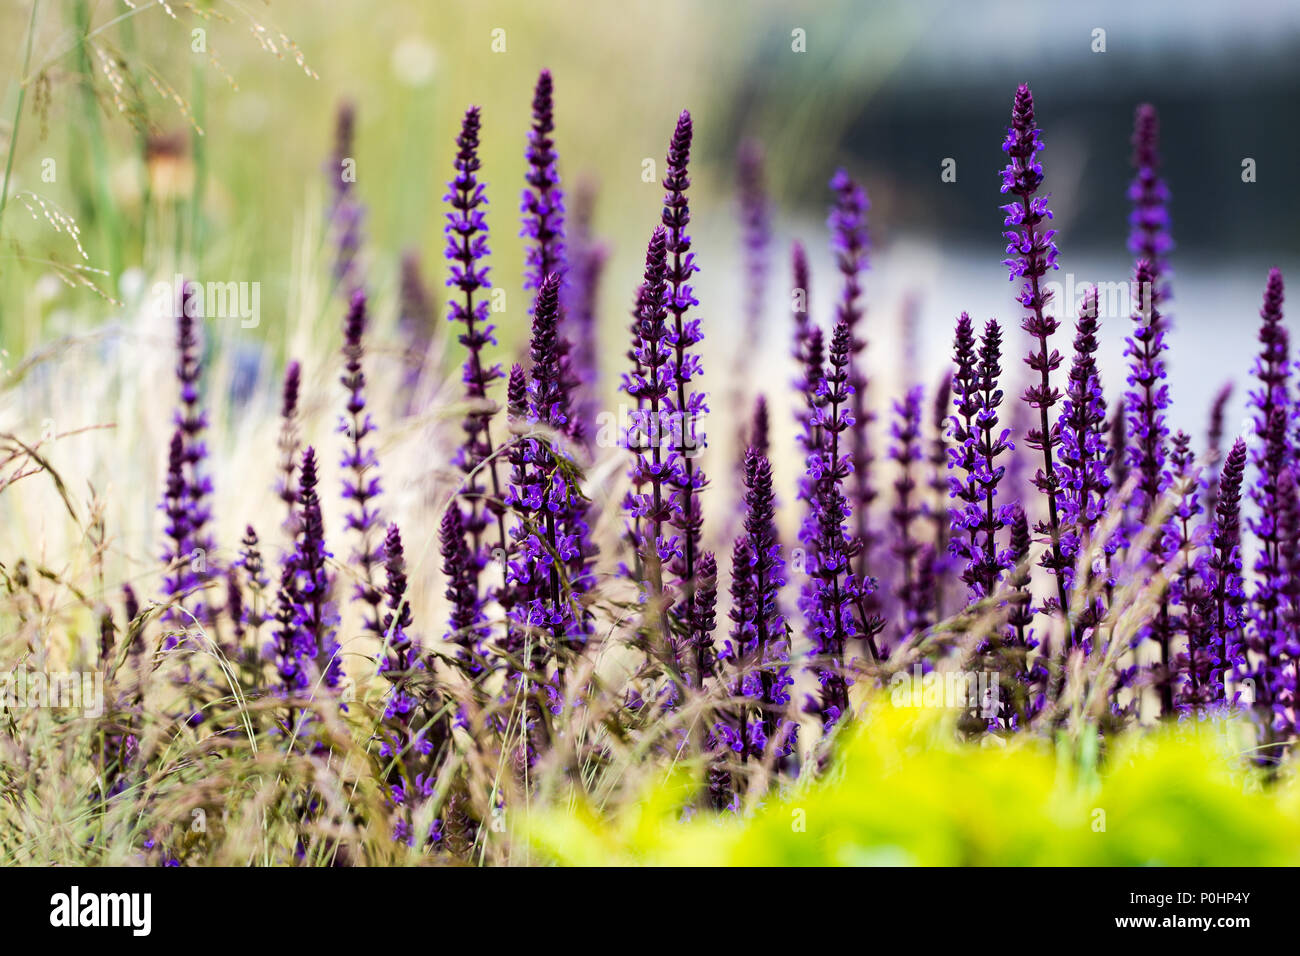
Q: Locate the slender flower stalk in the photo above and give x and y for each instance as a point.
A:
(756, 233)
(1146, 402)
(1286, 680)
(416, 322)
(836, 594)
(977, 446)
(757, 649)
(192, 421)
(906, 512)
(1084, 478)
(1033, 252)
(289, 442)
(582, 295)
(936, 508)
(1222, 571)
(467, 248)
(1266, 635)
(1119, 466)
(1214, 446)
(549, 559)
(467, 628)
(346, 213)
(649, 503)
(543, 200)
(759, 428)
(361, 465)
(850, 243)
(1149, 220)
(1186, 591)
(1031, 678)
(685, 405)
(317, 615)
(408, 738)
(304, 647)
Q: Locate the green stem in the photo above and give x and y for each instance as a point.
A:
(18, 111)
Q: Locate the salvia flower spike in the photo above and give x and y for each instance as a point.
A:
(686, 405)
(1032, 249)
(360, 464)
(466, 252)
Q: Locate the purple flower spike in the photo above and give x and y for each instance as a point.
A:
(1146, 402)
(346, 213)
(288, 442)
(543, 200)
(1214, 445)
(937, 507)
(304, 646)
(1149, 221)
(467, 249)
(758, 650)
(835, 592)
(360, 464)
(977, 444)
(759, 428)
(686, 406)
(650, 504)
(411, 741)
(551, 562)
(1286, 680)
(1266, 635)
(1033, 253)
(756, 233)
(192, 421)
(1029, 694)
(1223, 583)
(905, 450)
(1084, 476)
(416, 321)
(1148, 396)
(850, 243)
(587, 259)
(467, 628)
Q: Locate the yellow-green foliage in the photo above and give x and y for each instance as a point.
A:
(904, 790)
